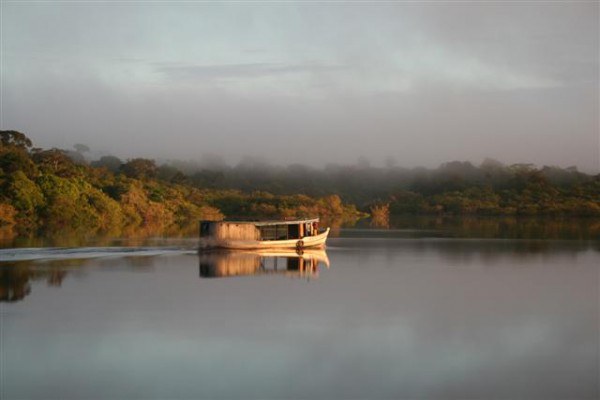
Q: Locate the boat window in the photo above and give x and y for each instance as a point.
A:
(293, 231)
(268, 232)
(274, 232)
(204, 229)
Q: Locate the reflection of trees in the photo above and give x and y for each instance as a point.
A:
(7, 234)
(16, 278)
(505, 227)
(475, 227)
(14, 283)
(336, 224)
(219, 264)
(465, 251)
(56, 277)
(127, 236)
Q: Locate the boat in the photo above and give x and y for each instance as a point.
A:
(270, 234)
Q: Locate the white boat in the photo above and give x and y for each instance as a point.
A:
(247, 235)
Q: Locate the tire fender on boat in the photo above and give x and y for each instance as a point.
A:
(300, 244)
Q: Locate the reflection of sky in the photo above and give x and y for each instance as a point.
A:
(388, 322)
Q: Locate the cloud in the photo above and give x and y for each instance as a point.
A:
(244, 70)
(426, 83)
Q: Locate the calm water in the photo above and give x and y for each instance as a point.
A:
(394, 315)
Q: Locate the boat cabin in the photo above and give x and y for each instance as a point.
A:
(259, 230)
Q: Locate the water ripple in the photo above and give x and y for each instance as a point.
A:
(62, 253)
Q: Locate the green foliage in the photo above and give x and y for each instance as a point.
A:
(139, 168)
(45, 188)
(116, 188)
(8, 215)
(262, 204)
(111, 163)
(15, 138)
(67, 202)
(405, 202)
(532, 194)
(13, 159)
(26, 197)
(75, 156)
(55, 162)
(170, 174)
(109, 211)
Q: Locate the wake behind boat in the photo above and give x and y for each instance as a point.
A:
(245, 235)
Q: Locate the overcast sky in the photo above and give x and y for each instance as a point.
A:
(313, 83)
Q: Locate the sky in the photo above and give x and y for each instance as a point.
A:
(421, 83)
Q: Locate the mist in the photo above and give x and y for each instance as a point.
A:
(313, 84)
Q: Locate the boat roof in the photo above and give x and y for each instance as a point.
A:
(270, 222)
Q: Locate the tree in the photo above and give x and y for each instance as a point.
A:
(15, 138)
(139, 168)
(111, 163)
(54, 161)
(168, 173)
(7, 214)
(13, 159)
(491, 164)
(25, 196)
(75, 156)
(68, 203)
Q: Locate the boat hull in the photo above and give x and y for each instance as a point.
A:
(306, 242)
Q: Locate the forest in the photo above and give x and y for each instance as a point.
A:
(44, 190)
(454, 188)
(53, 189)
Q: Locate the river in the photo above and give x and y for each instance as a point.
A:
(396, 313)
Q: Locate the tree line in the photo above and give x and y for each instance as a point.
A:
(454, 188)
(56, 188)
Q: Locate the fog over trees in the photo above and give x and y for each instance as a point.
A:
(60, 189)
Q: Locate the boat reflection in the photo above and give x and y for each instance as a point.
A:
(228, 263)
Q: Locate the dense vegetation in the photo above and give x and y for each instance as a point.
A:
(58, 189)
(455, 188)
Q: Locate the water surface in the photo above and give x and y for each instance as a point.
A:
(394, 315)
